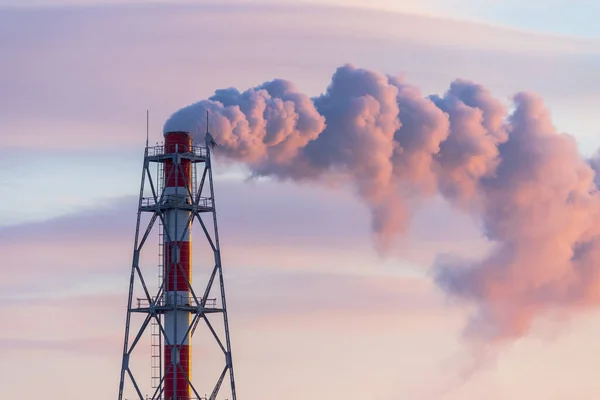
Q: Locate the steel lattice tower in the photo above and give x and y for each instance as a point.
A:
(177, 197)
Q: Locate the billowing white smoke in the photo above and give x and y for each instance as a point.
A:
(528, 184)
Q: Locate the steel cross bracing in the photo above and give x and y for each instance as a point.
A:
(153, 306)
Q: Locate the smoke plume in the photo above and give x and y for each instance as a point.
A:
(535, 195)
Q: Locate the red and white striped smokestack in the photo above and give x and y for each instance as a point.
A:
(178, 269)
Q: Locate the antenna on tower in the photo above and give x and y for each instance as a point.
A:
(147, 126)
(210, 141)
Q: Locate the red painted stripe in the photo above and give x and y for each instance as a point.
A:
(175, 374)
(178, 142)
(180, 177)
(174, 273)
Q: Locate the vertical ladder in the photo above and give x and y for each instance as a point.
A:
(161, 239)
(194, 184)
(156, 337)
(155, 334)
(155, 353)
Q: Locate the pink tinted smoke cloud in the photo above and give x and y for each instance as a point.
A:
(534, 194)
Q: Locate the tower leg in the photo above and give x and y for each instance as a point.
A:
(134, 266)
(228, 358)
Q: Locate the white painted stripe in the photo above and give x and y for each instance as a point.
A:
(182, 298)
(181, 319)
(176, 224)
(176, 191)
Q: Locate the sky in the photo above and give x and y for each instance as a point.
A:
(315, 312)
(555, 17)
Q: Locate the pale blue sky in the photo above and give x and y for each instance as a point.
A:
(65, 182)
(561, 17)
(568, 17)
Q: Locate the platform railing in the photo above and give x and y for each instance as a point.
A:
(159, 150)
(181, 299)
(203, 202)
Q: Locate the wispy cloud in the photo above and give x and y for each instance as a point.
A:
(104, 66)
(325, 230)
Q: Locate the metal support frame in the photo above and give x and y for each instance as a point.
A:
(154, 306)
